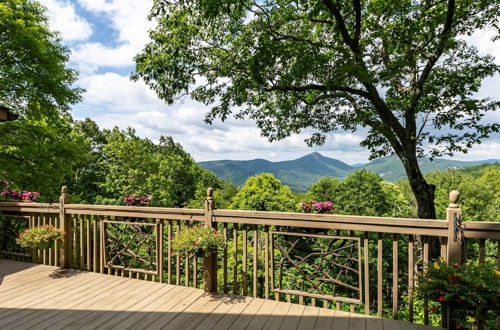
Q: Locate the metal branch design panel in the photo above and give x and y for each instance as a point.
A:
(317, 266)
(10, 227)
(131, 246)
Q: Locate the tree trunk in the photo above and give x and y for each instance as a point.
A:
(424, 192)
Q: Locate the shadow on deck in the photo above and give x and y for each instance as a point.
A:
(44, 297)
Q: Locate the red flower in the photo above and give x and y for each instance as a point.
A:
(456, 266)
(453, 278)
(434, 310)
(441, 298)
(458, 326)
(459, 300)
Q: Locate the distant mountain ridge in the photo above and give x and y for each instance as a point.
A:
(299, 174)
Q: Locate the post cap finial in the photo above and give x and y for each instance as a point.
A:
(64, 190)
(210, 192)
(454, 195)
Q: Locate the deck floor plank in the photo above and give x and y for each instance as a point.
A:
(44, 297)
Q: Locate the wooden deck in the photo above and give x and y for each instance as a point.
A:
(44, 297)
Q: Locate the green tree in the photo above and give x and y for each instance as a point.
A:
(34, 79)
(40, 154)
(264, 193)
(40, 150)
(479, 197)
(398, 68)
(326, 189)
(362, 193)
(124, 164)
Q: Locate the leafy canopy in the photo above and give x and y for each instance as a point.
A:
(34, 78)
(121, 163)
(264, 193)
(399, 68)
(362, 193)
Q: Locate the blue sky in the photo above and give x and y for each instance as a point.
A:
(104, 36)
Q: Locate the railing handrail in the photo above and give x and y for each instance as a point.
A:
(472, 229)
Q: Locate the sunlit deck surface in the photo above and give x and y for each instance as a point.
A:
(36, 296)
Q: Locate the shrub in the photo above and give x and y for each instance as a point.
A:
(141, 200)
(39, 237)
(473, 290)
(317, 207)
(25, 196)
(200, 240)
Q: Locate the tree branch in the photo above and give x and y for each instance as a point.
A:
(357, 10)
(409, 113)
(317, 87)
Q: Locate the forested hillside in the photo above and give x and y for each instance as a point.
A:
(301, 173)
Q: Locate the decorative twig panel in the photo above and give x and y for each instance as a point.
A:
(317, 266)
(131, 246)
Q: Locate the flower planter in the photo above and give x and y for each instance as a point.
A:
(44, 245)
(199, 253)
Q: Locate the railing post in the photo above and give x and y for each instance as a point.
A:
(454, 248)
(210, 262)
(64, 223)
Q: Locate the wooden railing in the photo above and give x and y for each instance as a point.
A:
(374, 259)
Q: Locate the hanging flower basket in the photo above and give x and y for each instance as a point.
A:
(42, 237)
(199, 240)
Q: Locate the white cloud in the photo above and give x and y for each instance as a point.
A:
(118, 93)
(63, 18)
(112, 99)
(129, 19)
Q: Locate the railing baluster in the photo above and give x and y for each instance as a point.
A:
(482, 250)
(271, 256)
(224, 269)
(443, 243)
(74, 254)
(178, 259)
(56, 243)
(82, 244)
(186, 264)
(266, 266)
(51, 250)
(380, 248)
(425, 241)
(44, 251)
(101, 245)
(367, 274)
(395, 271)
(244, 261)
(89, 244)
(235, 258)
(195, 271)
(96, 244)
(255, 259)
(169, 252)
(160, 246)
(38, 251)
(411, 267)
(186, 271)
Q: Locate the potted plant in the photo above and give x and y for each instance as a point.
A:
(198, 240)
(471, 290)
(42, 237)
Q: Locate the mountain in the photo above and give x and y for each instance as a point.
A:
(300, 173)
(391, 169)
